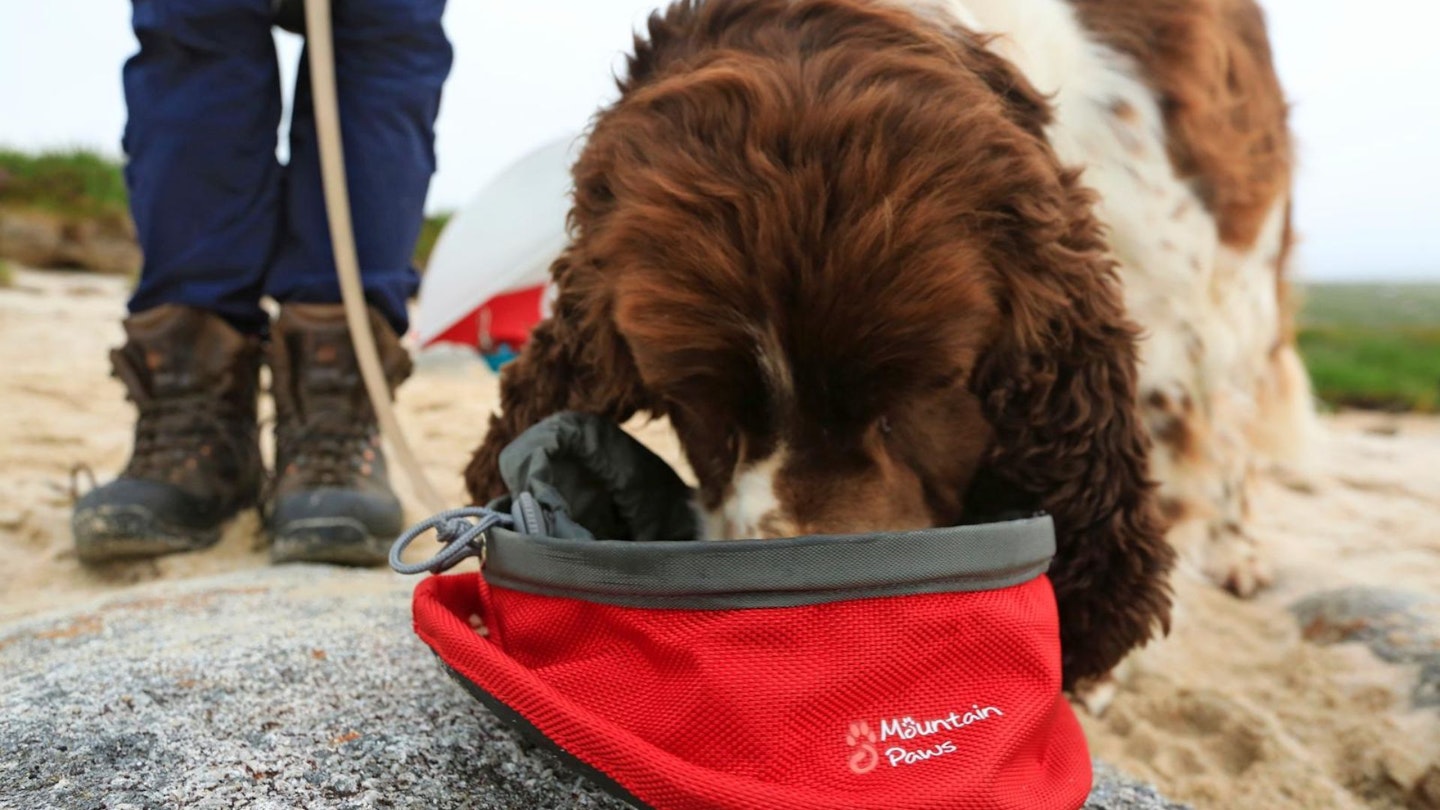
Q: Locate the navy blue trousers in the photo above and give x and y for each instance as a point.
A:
(221, 221)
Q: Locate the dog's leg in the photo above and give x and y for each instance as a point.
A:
(552, 374)
(1225, 394)
(1204, 469)
(532, 387)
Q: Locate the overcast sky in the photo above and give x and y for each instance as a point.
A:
(1364, 77)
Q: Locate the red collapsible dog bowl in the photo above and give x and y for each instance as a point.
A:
(908, 671)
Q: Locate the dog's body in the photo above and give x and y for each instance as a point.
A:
(1175, 112)
(864, 256)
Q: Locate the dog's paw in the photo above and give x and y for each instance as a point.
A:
(1096, 695)
(1234, 561)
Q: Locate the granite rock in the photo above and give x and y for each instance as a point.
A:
(280, 688)
(1398, 626)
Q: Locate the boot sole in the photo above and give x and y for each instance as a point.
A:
(111, 533)
(333, 541)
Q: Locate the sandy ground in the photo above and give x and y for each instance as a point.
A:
(1234, 710)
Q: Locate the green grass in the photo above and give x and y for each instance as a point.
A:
(76, 184)
(81, 184)
(429, 234)
(7, 275)
(1373, 345)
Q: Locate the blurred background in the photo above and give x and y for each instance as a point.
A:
(1361, 78)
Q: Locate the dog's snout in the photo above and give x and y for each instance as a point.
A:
(783, 496)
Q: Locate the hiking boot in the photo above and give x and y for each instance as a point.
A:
(196, 460)
(332, 500)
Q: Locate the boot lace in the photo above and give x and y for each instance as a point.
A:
(175, 434)
(330, 451)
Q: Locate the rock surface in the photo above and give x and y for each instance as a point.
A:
(39, 239)
(1398, 626)
(278, 688)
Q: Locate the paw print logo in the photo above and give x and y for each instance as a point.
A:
(864, 758)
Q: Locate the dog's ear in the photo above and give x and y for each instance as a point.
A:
(1059, 388)
(574, 361)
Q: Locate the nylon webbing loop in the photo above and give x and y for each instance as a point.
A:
(463, 531)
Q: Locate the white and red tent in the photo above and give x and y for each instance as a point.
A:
(487, 279)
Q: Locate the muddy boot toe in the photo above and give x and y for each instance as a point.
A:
(196, 458)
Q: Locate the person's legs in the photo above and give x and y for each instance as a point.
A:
(392, 58)
(204, 103)
(332, 497)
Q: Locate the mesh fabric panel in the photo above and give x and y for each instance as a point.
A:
(794, 708)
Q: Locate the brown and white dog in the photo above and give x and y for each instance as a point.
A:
(890, 264)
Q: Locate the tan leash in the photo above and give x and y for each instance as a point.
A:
(321, 44)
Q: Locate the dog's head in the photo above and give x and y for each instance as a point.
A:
(827, 244)
(818, 396)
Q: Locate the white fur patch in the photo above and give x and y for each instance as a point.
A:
(1210, 313)
(752, 505)
(1166, 242)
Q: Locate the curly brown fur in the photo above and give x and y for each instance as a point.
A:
(829, 237)
(1060, 391)
(574, 361)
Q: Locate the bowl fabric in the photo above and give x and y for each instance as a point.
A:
(762, 674)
